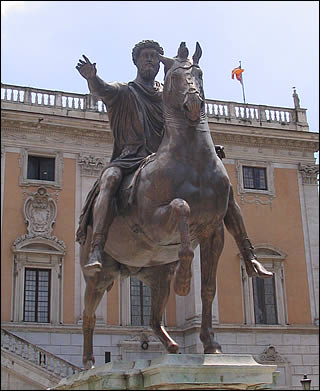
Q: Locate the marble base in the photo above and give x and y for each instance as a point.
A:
(176, 372)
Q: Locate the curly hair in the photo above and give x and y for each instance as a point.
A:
(143, 45)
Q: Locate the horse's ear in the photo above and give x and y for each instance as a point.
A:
(183, 51)
(197, 54)
(167, 62)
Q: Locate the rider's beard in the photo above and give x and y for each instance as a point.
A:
(149, 73)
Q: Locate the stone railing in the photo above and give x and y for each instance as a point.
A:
(37, 356)
(249, 112)
(231, 112)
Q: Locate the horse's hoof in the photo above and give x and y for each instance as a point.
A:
(182, 288)
(213, 349)
(88, 364)
(256, 269)
(173, 348)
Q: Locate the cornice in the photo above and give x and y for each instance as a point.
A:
(82, 130)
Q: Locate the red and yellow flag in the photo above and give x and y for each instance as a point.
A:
(238, 73)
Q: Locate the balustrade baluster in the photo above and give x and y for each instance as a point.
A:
(55, 366)
(27, 96)
(10, 343)
(58, 100)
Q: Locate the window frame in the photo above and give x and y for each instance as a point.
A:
(58, 168)
(254, 171)
(141, 296)
(36, 310)
(39, 253)
(258, 164)
(40, 159)
(273, 260)
(262, 282)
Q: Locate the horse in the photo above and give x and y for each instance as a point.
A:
(179, 201)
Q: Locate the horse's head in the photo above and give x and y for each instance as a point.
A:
(183, 86)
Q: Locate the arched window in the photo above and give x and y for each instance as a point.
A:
(264, 299)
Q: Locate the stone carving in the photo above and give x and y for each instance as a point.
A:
(40, 211)
(270, 355)
(91, 165)
(309, 174)
(255, 199)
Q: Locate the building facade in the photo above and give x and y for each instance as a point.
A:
(53, 147)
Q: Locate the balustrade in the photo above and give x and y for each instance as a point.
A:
(230, 111)
(36, 355)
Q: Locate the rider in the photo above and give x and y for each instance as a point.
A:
(135, 115)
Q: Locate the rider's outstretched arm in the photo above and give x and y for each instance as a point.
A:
(96, 85)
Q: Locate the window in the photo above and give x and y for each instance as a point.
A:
(37, 295)
(140, 295)
(264, 298)
(41, 168)
(255, 181)
(254, 178)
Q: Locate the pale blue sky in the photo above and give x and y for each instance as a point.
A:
(276, 41)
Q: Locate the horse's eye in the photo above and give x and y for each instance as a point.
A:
(200, 75)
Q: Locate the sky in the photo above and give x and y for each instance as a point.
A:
(277, 43)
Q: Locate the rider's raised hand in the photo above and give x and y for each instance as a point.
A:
(86, 68)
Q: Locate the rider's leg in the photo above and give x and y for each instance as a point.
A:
(102, 216)
(235, 225)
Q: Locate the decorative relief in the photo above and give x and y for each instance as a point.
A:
(40, 211)
(91, 165)
(255, 199)
(270, 355)
(309, 173)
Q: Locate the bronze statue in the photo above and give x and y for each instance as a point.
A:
(159, 206)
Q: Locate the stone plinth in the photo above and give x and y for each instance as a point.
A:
(176, 372)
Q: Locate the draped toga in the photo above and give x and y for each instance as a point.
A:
(136, 120)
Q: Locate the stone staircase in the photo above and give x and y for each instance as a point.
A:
(32, 363)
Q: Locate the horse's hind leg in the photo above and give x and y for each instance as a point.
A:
(95, 288)
(92, 299)
(159, 279)
(210, 251)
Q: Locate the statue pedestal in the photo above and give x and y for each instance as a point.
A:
(176, 372)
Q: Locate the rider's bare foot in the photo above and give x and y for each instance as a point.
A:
(94, 264)
(255, 269)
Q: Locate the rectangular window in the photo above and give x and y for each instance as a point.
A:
(107, 357)
(41, 168)
(254, 178)
(37, 295)
(264, 296)
(140, 295)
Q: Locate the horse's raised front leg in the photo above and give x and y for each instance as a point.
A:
(177, 216)
(210, 251)
(159, 279)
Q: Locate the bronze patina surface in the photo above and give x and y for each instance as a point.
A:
(165, 192)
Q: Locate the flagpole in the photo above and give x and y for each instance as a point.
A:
(244, 97)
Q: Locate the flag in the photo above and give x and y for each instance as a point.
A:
(238, 72)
